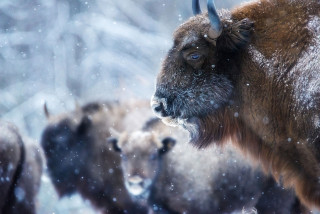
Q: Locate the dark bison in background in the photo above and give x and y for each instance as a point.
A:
(251, 75)
(20, 172)
(168, 176)
(80, 160)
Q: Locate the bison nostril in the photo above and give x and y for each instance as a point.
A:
(158, 107)
(136, 183)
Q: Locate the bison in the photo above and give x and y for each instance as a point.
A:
(170, 177)
(80, 160)
(252, 76)
(20, 172)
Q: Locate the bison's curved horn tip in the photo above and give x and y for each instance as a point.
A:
(196, 7)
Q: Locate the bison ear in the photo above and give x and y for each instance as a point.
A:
(114, 142)
(84, 125)
(114, 133)
(235, 36)
(167, 144)
(121, 137)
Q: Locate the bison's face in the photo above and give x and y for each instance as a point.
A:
(65, 144)
(198, 74)
(141, 154)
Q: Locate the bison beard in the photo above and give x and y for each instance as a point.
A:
(202, 133)
(272, 112)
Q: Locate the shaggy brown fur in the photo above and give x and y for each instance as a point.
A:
(256, 85)
(20, 172)
(80, 160)
(174, 178)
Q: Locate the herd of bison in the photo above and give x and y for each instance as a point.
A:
(243, 86)
(125, 160)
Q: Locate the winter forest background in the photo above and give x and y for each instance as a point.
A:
(59, 51)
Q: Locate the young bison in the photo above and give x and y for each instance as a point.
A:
(20, 172)
(79, 160)
(251, 75)
(174, 178)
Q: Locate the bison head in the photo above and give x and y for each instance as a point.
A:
(197, 79)
(65, 144)
(141, 154)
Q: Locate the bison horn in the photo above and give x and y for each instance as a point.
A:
(46, 111)
(196, 7)
(216, 27)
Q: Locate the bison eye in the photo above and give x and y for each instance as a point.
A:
(194, 56)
